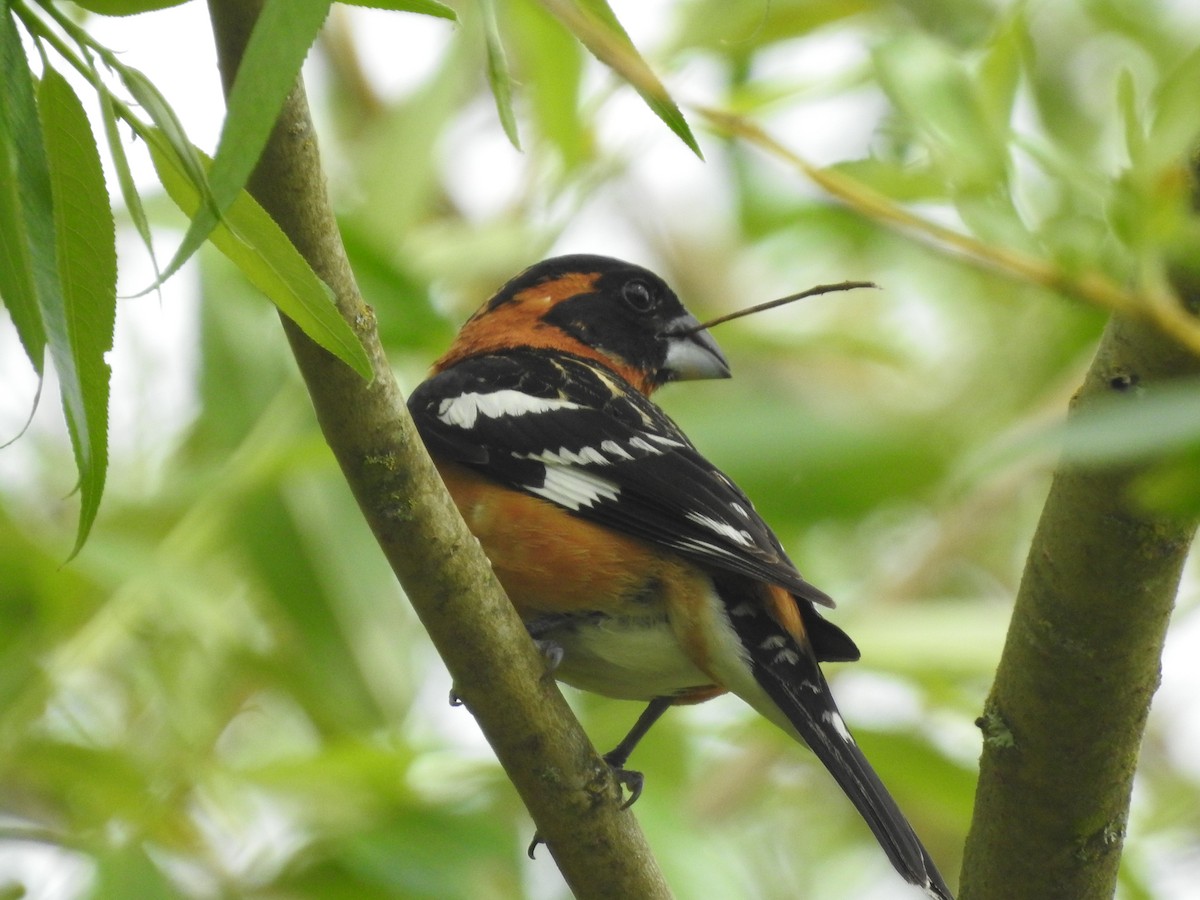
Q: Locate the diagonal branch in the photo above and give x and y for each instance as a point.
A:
(501, 678)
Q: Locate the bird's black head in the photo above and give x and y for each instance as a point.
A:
(625, 312)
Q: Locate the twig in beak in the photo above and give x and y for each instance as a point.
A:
(771, 304)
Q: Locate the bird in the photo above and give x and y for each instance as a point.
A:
(640, 569)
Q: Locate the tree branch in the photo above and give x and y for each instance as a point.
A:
(500, 676)
(1063, 723)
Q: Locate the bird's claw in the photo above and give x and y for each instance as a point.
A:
(630, 780)
(551, 651)
(533, 845)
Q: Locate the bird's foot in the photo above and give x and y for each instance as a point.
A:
(551, 651)
(631, 782)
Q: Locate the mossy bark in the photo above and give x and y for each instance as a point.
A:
(1064, 720)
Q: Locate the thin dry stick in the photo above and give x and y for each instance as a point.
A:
(782, 301)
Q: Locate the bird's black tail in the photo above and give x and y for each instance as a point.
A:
(793, 683)
(812, 712)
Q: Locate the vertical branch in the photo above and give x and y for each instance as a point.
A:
(1063, 723)
(501, 678)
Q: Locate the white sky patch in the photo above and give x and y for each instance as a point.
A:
(575, 488)
(737, 535)
(464, 409)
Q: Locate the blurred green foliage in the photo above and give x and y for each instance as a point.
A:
(226, 694)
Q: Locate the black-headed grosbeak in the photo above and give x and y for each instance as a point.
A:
(642, 570)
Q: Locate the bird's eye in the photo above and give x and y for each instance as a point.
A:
(638, 296)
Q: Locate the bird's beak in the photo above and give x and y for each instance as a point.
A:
(691, 352)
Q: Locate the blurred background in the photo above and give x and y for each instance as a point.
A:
(226, 694)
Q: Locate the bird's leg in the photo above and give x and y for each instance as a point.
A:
(616, 758)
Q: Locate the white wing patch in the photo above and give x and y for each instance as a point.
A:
(709, 549)
(644, 446)
(463, 410)
(737, 535)
(575, 488)
(665, 441)
(839, 725)
(612, 448)
(564, 457)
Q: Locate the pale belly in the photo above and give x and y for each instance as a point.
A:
(628, 657)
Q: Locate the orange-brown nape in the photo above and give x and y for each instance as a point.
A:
(505, 323)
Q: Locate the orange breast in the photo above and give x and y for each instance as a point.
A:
(552, 562)
(548, 560)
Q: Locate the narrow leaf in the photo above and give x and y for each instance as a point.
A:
(281, 38)
(87, 263)
(548, 63)
(1130, 116)
(162, 114)
(27, 265)
(498, 74)
(18, 289)
(424, 7)
(125, 7)
(256, 245)
(129, 191)
(597, 28)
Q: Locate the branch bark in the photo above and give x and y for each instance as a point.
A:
(1064, 721)
(501, 678)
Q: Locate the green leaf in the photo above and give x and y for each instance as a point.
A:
(126, 870)
(999, 71)
(549, 65)
(28, 270)
(281, 39)
(931, 87)
(17, 288)
(1131, 119)
(129, 191)
(256, 245)
(1121, 429)
(424, 7)
(499, 78)
(126, 7)
(87, 264)
(907, 183)
(150, 98)
(1173, 487)
(597, 28)
(1175, 126)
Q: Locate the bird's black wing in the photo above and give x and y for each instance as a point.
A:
(572, 432)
